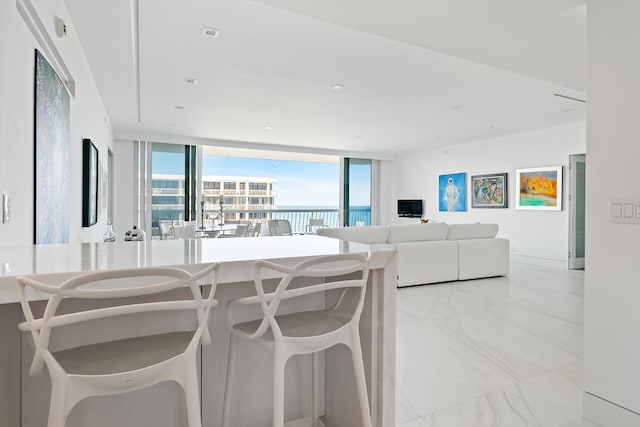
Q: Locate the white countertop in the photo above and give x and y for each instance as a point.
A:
(234, 254)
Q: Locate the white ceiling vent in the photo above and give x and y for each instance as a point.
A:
(210, 32)
(559, 95)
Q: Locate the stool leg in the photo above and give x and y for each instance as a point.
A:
(231, 361)
(57, 404)
(361, 382)
(279, 362)
(192, 394)
(315, 381)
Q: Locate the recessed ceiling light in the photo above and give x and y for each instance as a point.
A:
(268, 127)
(337, 87)
(210, 32)
(179, 107)
(191, 80)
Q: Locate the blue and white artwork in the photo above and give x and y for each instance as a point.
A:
(52, 124)
(453, 192)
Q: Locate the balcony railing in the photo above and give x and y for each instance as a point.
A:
(299, 218)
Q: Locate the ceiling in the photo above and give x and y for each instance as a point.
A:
(417, 74)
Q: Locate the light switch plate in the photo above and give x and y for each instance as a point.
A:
(615, 210)
(6, 208)
(624, 211)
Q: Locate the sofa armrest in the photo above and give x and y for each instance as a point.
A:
(420, 263)
(483, 258)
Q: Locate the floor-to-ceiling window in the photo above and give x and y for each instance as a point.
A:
(191, 183)
(173, 186)
(258, 185)
(357, 192)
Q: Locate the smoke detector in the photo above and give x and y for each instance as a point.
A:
(210, 32)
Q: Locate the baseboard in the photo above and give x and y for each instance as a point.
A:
(608, 414)
(303, 422)
(545, 262)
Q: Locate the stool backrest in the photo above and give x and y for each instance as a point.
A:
(340, 273)
(116, 294)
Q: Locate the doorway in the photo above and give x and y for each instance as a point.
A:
(577, 187)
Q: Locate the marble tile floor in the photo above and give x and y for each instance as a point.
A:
(498, 352)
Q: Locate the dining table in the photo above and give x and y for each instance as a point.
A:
(213, 231)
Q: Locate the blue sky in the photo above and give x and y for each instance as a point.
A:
(299, 183)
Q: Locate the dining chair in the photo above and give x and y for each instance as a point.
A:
(165, 231)
(254, 230)
(285, 227)
(88, 353)
(274, 229)
(240, 231)
(314, 224)
(184, 232)
(302, 332)
(279, 227)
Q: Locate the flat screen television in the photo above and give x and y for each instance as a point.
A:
(410, 208)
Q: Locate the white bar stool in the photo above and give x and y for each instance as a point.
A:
(107, 361)
(303, 332)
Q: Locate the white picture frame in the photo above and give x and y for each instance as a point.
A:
(539, 188)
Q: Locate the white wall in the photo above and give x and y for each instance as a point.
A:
(612, 291)
(539, 234)
(124, 182)
(385, 187)
(88, 120)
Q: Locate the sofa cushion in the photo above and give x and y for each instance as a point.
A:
(472, 231)
(367, 235)
(417, 232)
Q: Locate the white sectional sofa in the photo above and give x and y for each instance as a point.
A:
(436, 252)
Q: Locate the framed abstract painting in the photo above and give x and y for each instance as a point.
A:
(453, 192)
(51, 155)
(489, 191)
(89, 183)
(539, 188)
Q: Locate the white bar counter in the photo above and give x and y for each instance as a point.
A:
(24, 399)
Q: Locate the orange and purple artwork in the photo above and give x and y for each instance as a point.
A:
(539, 188)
